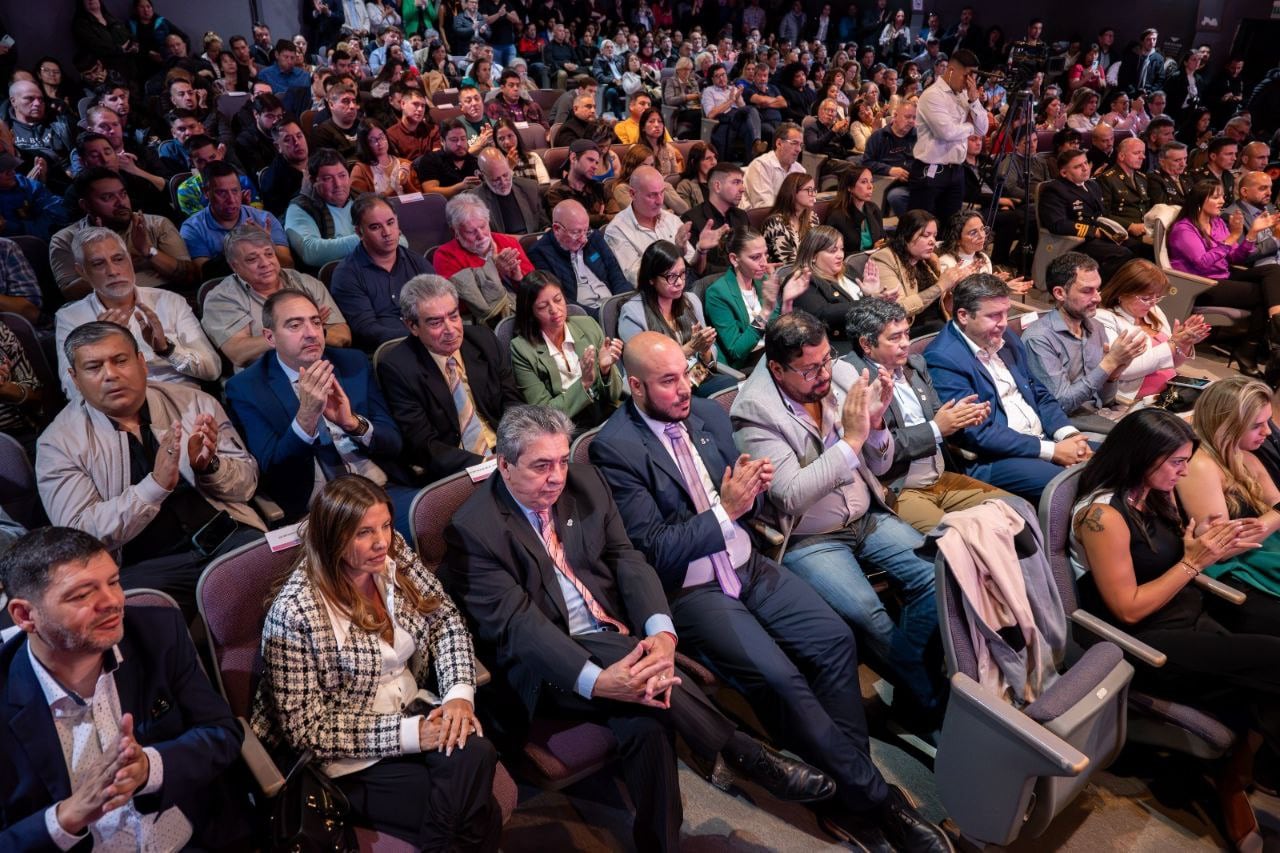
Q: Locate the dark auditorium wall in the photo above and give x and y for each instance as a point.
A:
(44, 27)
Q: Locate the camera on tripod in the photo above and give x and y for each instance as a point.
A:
(1026, 60)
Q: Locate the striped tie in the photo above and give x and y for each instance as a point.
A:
(468, 421)
(556, 551)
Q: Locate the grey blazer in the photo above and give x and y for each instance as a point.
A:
(532, 213)
(804, 470)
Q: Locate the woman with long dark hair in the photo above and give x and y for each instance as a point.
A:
(524, 164)
(377, 170)
(853, 213)
(692, 188)
(665, 303)
(349, 648)
(909, 271)
(1141, 556)
(791, 217)
(563, 360)
(1200, 242)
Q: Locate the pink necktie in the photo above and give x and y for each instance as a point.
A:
(556, 552)
(720, 562)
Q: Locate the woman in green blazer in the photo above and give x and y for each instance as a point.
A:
(745, 298)
(560, 360)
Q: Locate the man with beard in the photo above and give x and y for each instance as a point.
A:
(150, 192)
(451, 170)
(1068, 348)
(486, 267)
(151, 778)
(160, 257)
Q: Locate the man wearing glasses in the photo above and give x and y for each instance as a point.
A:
(822, 426)
(765, 174)
(573, 251)
(947, 115)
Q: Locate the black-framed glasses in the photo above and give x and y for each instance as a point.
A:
(808, 374)
(675, 277)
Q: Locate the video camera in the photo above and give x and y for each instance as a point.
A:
(1026, 60)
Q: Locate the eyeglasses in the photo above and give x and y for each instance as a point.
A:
(574, 234)
(809, 189)
(675, 277)
(1149, 300)
(980, 231)
(808, 374)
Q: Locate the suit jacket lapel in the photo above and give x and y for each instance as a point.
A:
(706, 446)
(529, 538)
(656, 449)
(280, 385)
(437, 387)
(32, 723)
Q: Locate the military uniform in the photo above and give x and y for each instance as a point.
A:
(1125, 198)
(1073, 210)
(1227, 180)
(1166, 189)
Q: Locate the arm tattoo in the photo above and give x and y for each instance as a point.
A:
(1093, 521)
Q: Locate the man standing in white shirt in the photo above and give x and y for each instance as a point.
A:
(946, 117)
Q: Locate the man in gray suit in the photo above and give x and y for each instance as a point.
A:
(799, 409)
(917, 419)
(514, 204)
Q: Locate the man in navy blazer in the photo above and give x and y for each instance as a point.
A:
(310, 414)
(579, 258)
(1028, 439)
(683, 491)
(153, 737)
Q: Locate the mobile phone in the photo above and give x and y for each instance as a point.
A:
(209, 538)
(7, 41)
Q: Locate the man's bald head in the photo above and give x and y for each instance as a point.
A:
(647, 353)
(490, 157)
(1249, 180)
(646, 177)
(1132, 144)
(1255, 156)
(571, 214)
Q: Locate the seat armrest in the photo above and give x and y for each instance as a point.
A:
(1220, 589)
(270, 511)
(733, 373)
(1004, 717)
(769, 534)
(1131, 645)
(483, 676)
(259, 762)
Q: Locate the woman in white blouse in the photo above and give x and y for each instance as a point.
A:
(1130, 301)
(965, 243)
(1083, 115)
(349, 646)
(560, 360)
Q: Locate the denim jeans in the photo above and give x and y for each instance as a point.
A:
(836, 572)
(503, 54)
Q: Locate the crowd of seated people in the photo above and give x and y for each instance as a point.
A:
(224, 253)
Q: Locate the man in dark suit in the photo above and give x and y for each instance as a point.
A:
(152, 737)
(683, 490)
(514, 204)
(309, 413)
(923, 472)
(1071, 205)
(447, 383)
(1028, 439)
(573, 251)
(578, 626)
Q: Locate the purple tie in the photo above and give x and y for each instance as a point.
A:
(720, 562)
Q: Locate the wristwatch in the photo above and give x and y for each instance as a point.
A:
(362, 426)
(212, 467)
(167, 351)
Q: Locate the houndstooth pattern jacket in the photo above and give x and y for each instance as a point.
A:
(314, 696)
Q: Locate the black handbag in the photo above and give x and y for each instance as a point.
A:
(310, 815)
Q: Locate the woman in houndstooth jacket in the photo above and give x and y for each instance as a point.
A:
(348, 648)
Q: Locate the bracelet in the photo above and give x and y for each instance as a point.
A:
(1188, 568)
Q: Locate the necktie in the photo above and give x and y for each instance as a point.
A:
(556, 551)
(725, 574)
(327, 456)
(468, 420)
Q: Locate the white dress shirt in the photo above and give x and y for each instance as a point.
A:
(566, 358)
(87, 728)
(924, 472)
(764, 177)
(192, 357)
(945, 119)
(592, 292)
(628, 239)
(1019, 413)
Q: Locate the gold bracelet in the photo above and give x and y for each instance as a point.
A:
(1188, 568)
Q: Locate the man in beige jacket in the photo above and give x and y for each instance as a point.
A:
(154, 470)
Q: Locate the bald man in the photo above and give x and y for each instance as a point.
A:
(1253, 199)
(580, 258)
(1126, 195)
(37, 133)
(685, 494)
(1102, 144)
(645, 221)
(1254, 157)
(514, 204)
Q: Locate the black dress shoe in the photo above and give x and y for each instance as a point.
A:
(861, 832)
(906, 828)
(786, 778)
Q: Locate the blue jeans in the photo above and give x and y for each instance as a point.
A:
(835, 571)
(897, 198)
(504, 53)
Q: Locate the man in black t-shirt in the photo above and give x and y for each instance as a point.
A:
(452, 169)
